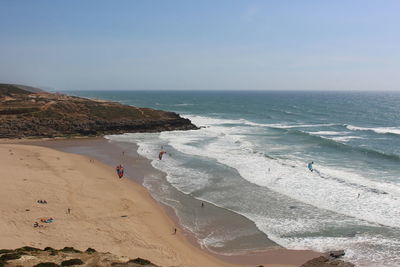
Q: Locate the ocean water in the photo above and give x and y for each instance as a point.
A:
(250, 157)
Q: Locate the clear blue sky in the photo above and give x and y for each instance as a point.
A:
(216, 44)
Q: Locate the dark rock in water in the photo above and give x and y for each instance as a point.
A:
(40, 114)
(337, 253)
(46, 264)
(376, 191)
(72, 262)
(324, 261)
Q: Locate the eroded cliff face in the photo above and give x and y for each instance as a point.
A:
(27, 114)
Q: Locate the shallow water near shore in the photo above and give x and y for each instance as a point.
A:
(211, 222)
(249, 246)
(250, 157)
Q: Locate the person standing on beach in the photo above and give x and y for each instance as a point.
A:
(174, 231)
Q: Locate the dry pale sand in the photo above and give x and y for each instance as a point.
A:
(108, 214)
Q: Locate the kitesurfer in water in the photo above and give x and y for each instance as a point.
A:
(161, 154)
(310, 166)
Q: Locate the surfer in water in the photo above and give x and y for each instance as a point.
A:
(160, 155)
(310, 166)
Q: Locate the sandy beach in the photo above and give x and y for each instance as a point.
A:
(106, 213)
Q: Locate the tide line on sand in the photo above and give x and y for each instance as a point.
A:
(89, 206)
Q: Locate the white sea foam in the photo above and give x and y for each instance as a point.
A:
(379, 130)
(345, 138)
(341, 139)
(327, 133)
(183, 105)
(333, 189)
(203, 121)
(361, 249)
(289, 126)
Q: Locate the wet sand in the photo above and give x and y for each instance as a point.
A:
(263, 250)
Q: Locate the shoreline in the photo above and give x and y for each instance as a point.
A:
(90, 207)
(275, 256)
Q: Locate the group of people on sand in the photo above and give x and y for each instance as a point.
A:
(43, 220)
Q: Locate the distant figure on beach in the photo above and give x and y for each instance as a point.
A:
(120, 171)
(174, 231)
(310, 166)
(202, 204)
(160, 155)
(69, 210)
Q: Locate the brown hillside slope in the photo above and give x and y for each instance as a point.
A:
(27, 114)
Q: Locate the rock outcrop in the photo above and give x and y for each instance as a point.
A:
(331, 259)
(39, 114)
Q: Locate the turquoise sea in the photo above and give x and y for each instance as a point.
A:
(250, 157)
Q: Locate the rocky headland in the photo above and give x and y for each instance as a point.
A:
(29, 112)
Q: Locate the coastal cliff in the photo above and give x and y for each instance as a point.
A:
(34, 113)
